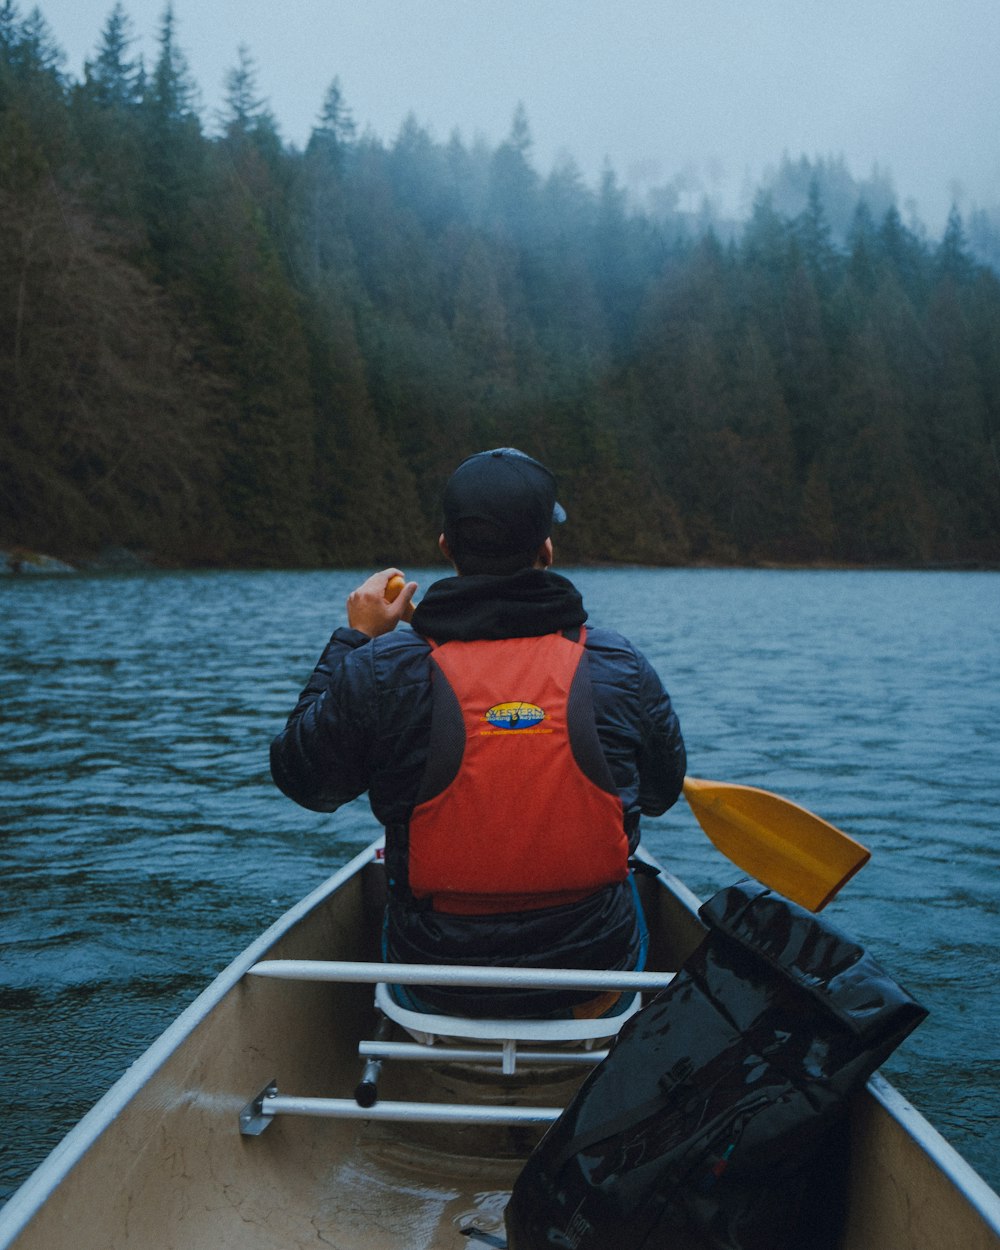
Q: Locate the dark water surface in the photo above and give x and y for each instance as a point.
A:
(144, 846)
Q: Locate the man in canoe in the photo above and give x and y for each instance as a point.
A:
(508, 748)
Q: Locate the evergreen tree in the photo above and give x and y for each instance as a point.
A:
(804, 351)
(861, 266)
(901, 250)
(171, 98)
(955, 416)
(10, 33)
(335, 132)
(514, 182)
(479, 325)
(246, 113)
(880, 507)
(625, 252)
(254, 316)
(418, 171)
(952, 259)
(112, 79)
(32, 84)
(174, 156)
(224, 348)
(319, 201)
(106, 113)
(37, 53)
(813, 233)
(763, 494)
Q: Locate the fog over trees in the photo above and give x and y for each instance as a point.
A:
(219, 349)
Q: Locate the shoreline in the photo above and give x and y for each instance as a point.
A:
(16, 562)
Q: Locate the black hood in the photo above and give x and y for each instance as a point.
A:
(526, 604)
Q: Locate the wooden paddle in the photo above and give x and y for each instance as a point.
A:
(782, 845)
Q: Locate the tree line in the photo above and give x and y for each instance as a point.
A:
(220, 349)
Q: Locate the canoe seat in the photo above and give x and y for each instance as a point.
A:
(445, 1038)
(437, 1035)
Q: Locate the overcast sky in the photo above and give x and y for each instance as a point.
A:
(717, 88)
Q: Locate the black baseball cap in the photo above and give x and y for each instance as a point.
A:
(499, 504)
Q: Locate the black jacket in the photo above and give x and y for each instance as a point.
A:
(362, 724)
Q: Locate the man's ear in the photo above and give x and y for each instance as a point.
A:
(545, 555)
(445, 549)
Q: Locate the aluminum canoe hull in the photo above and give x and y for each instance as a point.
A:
(160, 1163)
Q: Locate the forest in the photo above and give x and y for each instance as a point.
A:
(217, 349)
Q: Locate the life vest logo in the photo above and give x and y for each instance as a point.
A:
(515, 715)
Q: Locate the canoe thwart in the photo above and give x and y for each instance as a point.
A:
(599, 980)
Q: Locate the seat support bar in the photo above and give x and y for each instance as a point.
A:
(269, 1103)
(460, 1054)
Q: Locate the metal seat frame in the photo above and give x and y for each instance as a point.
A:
(442, 1038)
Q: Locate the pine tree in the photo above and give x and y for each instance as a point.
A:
(763, 495)
(513, 182)
(955, 415)
(112, 78)
(10, 32)
(805, 354)
(37, 52)
(903, 253)
(173, 177)
(335, 132)
(861, 266)
(480, 325)
(880, 506)
(246, 113)
(952, 259)
(322, 245)
(233, 350)
(32, 83)
(171, 97)
(107, 117)
(814, 236)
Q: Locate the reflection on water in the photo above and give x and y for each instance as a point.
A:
(144, 845)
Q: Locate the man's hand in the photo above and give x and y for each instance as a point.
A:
(371, 613)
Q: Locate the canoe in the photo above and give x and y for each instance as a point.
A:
(190, 1149)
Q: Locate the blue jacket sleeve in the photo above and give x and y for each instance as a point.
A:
(637, 725)
(321, 757)
(662, 759)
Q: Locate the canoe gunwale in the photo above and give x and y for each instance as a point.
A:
(977, 1193)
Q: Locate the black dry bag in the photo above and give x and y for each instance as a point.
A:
(717, 1120)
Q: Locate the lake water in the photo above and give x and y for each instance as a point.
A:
(144, 845)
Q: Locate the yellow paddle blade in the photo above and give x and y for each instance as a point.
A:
(782, 845)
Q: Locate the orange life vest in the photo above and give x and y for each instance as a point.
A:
(517, 808)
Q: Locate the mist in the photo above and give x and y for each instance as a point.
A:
(704, 102)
